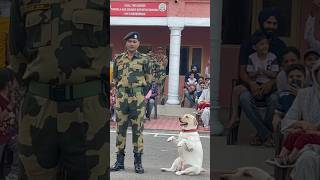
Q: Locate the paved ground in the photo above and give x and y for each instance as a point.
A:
(157, 154)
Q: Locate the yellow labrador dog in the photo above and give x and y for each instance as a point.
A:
(247, 173)
(189, 146)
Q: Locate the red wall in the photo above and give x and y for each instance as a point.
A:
(183, 8)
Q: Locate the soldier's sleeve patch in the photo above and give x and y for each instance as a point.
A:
(34, 7)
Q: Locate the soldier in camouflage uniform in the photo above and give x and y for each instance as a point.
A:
(153, 64)
(132, 75)
(161, 73)
(59, 49)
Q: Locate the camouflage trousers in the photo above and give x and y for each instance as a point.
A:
(71, 135)
(130, 109)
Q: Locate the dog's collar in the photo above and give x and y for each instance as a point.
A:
(189, 130)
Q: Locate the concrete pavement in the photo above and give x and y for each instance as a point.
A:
(157, 154)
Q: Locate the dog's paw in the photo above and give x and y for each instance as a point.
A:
(167, 170)
(179, 173)
(170, 139)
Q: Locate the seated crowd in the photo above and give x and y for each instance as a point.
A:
(289, 78)
(196, 94)
(275, 77)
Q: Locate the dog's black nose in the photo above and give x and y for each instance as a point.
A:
(179, 118)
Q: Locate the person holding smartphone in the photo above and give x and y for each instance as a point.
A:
(304, 114)
(296, 74)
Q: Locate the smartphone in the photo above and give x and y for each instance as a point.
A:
(296, 83)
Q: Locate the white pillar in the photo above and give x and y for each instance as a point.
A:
(174, 65)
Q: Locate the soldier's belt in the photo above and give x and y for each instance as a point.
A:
(66, 92)
(130, 90)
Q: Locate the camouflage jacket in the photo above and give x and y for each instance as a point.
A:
(59, 41)
(162, 61)
(132, 73)
(155, 66)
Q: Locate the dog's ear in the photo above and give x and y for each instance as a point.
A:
(246, 173)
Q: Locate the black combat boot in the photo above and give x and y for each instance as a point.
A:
(137, 163)
(119, 164)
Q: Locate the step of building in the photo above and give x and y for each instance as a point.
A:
(174, 110)
(166, 123)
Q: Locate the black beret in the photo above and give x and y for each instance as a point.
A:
(132, 35)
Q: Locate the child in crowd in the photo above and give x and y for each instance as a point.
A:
(192, 80)
(290, 58)
(200, 86)
(291, 55)
(262, 65)
(296, 75)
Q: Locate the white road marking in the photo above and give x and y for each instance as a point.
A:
(164, 150)
(160, 134)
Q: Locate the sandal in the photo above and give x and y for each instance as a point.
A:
(256, 141)
(282, 162)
